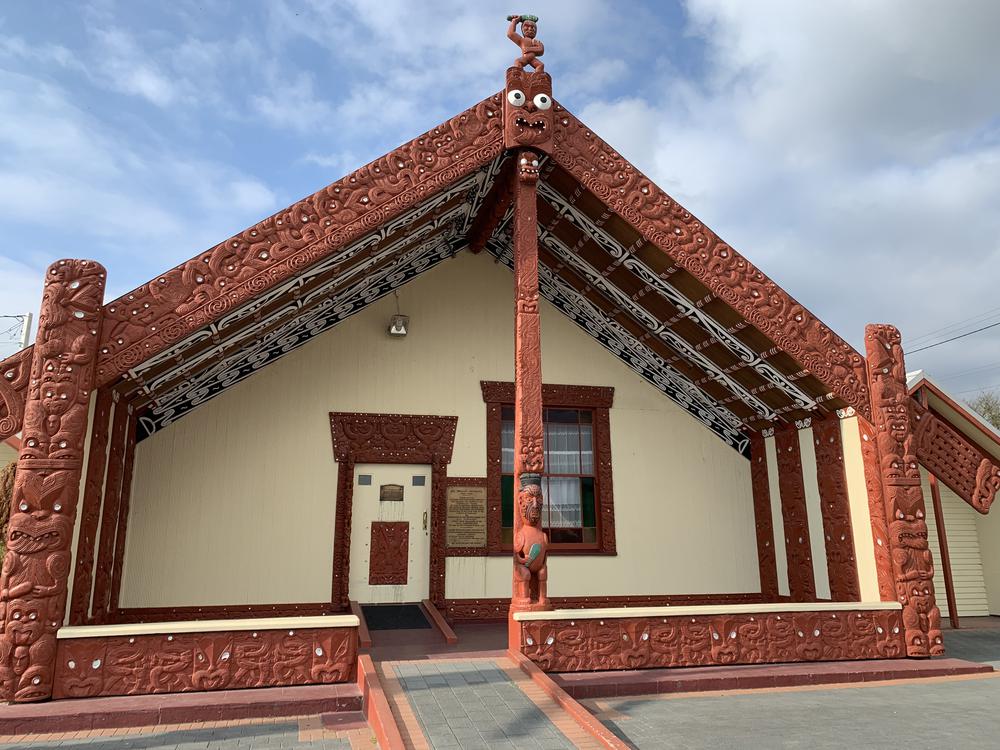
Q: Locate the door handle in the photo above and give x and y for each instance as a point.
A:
(425, 520)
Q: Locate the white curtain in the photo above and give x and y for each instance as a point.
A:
(562, 496)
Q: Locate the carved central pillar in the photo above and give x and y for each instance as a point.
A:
(530, 541)
(912, 567)
(36, 565)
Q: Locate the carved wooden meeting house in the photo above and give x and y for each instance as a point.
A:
(348, 402)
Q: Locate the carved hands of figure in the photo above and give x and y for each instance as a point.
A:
(530, 548)
(531, 48)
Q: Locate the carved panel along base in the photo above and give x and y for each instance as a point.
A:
(388, 561)
(683, 641)
(144, 664)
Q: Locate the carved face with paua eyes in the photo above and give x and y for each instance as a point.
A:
(527, 110)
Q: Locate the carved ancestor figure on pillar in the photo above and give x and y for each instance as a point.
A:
(531, 48)
(527, 103)
(913, 569)
(36, 565)
(530, 548)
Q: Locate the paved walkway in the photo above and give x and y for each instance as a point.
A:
(475, 705)
(263, 734)
(953, 712)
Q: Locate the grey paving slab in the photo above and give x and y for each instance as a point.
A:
(954, 714)
(974, 645)
(480, 707)
(277, 736)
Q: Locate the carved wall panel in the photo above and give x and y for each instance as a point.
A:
(36, 566)
(389, 553)
(876, 511)
(187, 662)
(93, 496)
(110, 514)
(494, 609)
(730, 276)
(389, 438)
(831, 476)
(947, 454)
(762, 517)
(123, 509)
(659, 642)
(801, 581)
(15, 371)
(912, 565)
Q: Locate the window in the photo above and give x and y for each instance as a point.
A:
(568, 483)
(576, 483)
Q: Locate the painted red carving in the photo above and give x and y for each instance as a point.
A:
(694, 247)
(187, 662)
(798, 550)
(831, 477)
(494, 609)
(389, 553)
(15, 371)
(658, 642)
(762, 517)
(531, 48)
(110, 514)
(876, 511)
(123, 509)
(36, 566)
(530, 571)
(220, 612)
(947, 454)
(389, 438)
(90, 515)
(528, 108)
(912, 566)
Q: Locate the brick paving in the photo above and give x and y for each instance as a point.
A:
(305, 732)
(452, 703)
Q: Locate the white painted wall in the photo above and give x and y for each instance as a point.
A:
(235, 502)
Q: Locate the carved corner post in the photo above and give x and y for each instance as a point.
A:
(36, 566)
(912, 568)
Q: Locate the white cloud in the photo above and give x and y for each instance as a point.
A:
(851, 150)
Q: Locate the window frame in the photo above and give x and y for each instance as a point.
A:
(596, 399)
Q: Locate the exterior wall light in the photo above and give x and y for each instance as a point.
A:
(398, 325)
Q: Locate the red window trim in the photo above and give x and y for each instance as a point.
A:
(596, 398)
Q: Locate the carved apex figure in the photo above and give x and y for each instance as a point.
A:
(531, 48)
(530, 548)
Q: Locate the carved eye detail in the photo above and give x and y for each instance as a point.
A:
(516, 97)
(543, 101)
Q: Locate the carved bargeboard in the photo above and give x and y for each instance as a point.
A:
(389, 553)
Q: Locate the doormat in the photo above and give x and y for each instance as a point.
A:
(394, 617)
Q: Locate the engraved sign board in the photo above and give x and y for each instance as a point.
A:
(466, 516)
(390, 492)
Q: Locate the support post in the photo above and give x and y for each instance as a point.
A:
(942, 534)
(36, 566)
(530, 541)
(912, 567)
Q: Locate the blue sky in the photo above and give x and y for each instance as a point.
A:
(851, 150)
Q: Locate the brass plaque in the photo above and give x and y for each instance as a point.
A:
(390, 493)
(466, 516)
